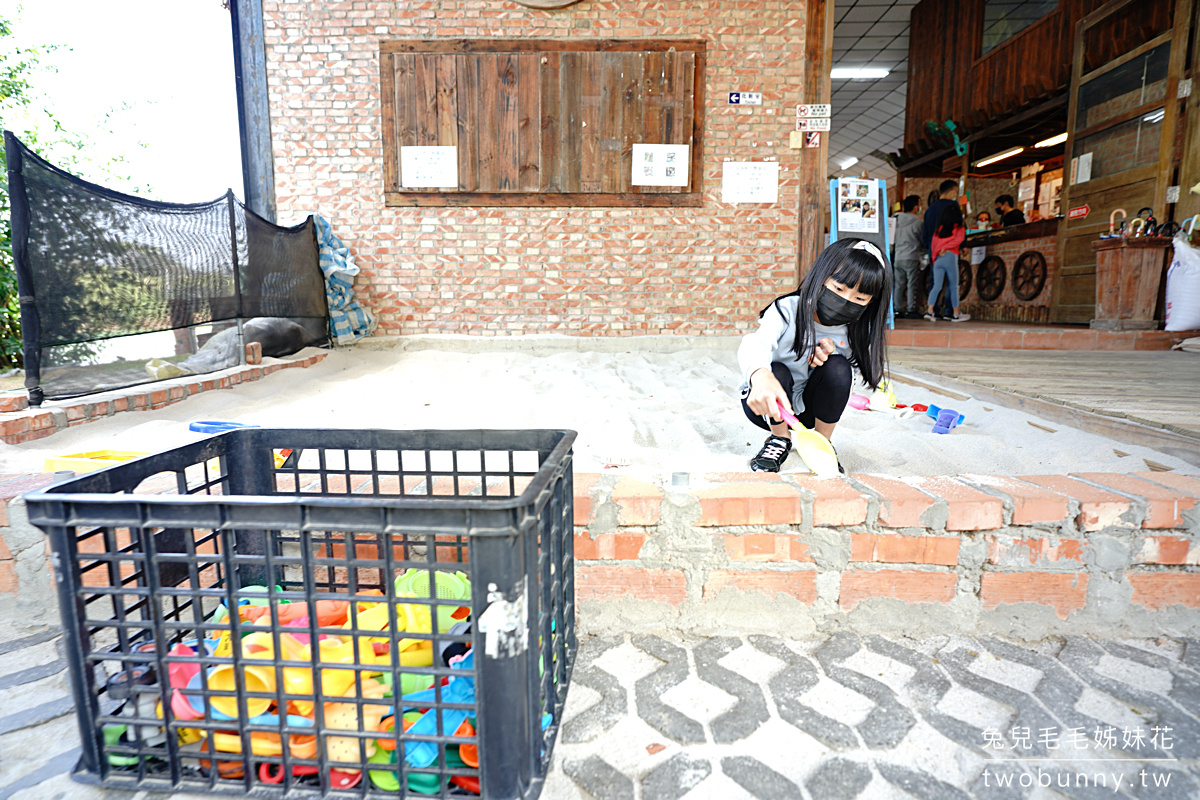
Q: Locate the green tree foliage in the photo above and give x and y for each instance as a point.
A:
(28, 115)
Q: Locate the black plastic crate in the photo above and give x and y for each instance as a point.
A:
(173, 689)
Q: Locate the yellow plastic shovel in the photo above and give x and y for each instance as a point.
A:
(814, 449)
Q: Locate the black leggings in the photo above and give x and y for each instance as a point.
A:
(825, 394)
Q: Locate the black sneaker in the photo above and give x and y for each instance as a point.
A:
(774, 452)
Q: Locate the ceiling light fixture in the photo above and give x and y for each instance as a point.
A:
(999, 156)
(858, 73)
(1155, 116)
(1053, 140)
(849, 162)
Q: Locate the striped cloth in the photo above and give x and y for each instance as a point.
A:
(347, 319)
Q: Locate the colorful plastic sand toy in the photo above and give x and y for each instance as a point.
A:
(933, 412)
(947, 420)
(814, 449)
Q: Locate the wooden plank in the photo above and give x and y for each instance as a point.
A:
(671, 106)
(467, 68)
(406, 86)
(650, 130)
(691, 113)
(508, 155)
(1175, 71)
(611, 125)
(425, 100)
(537, 199)
(1126, 58)
(632, 81)
(1189, 169)
(505, 45)
(572, 118)
(406, 115)
(589, 130)
(447, 100)
(1061, 306)
(550, 162)
(391, 151)
(529, 114)
(489, 115)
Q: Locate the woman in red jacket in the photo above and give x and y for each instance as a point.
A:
(947, 239)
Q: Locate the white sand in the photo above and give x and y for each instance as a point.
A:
(644, 405)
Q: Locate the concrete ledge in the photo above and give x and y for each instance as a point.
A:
(792, 555)
(1025, 557)
(23, 424)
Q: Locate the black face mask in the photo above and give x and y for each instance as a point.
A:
(1000, 211)
(833, 309)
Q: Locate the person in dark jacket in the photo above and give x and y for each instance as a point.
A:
(1008, 215)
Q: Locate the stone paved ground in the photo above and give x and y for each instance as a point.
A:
(655, 718)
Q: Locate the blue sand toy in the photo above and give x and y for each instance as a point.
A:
(947, 420)
(213, 426)
(933, 411)
(460, 691)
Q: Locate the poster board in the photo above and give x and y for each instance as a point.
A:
(858, 207)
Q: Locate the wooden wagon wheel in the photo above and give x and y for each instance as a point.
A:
(1029, 275)
(989, 281)
(964, 279)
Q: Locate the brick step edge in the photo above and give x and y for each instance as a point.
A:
(37, 423)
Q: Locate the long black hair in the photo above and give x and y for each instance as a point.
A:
(950, 218)
(865, 268)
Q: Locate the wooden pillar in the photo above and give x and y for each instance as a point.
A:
(1189, 172)
(814, 173)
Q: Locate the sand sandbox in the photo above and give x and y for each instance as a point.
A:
(650, 406)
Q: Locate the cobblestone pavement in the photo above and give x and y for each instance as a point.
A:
(655, 718)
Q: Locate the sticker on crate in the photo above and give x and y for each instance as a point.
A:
(505, 624)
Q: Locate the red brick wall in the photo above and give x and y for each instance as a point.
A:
(1005, 553)
(492, 272)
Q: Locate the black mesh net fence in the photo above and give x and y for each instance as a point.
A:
(118, 290)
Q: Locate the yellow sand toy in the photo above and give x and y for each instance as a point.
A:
(447, 586)
(883, 398)
(814, 449)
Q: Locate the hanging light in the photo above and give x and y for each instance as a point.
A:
(999, 156)
(858, 73)
(1053, 140)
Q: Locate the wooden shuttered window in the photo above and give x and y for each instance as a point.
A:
(542, 122)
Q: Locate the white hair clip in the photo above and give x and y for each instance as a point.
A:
(870, 248)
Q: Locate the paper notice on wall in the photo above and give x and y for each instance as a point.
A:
(1084, 169)
(858, 206)
(750, 182)
(429, 167)
(978, 254)
(1026, 188)
(660, 165)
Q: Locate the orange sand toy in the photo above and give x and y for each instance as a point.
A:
(344, 717)
(330, 613)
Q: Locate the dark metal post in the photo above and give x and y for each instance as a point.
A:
(31, 323)
(254, 114)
